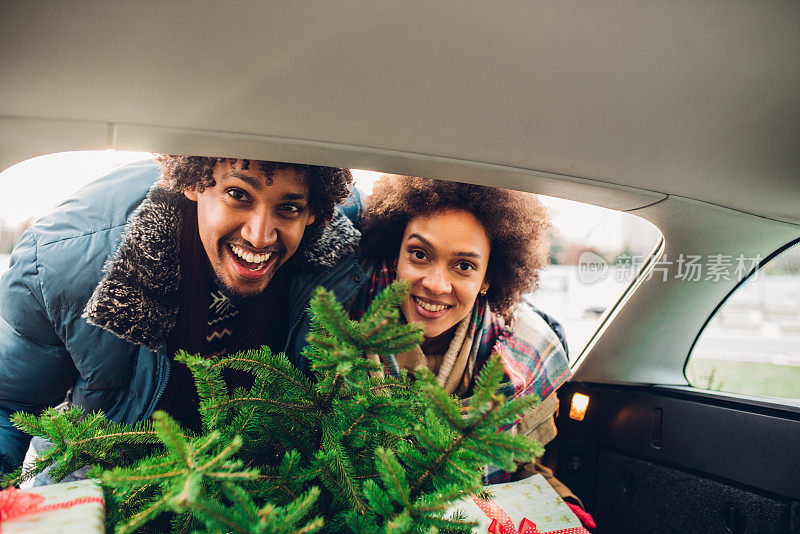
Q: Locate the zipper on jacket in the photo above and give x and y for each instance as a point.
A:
(161, 388)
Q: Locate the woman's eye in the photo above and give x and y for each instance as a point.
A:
(237, 194)
(418, 254)
(465, 266)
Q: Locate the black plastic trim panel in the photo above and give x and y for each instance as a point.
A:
(753, 445)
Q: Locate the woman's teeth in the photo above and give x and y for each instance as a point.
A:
(249, 257)
(431, 307)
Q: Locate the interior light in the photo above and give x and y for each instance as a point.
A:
(579, 404)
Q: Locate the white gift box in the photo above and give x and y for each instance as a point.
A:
(532, 498)
(67, 507)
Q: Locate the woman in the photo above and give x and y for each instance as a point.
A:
(469, 252)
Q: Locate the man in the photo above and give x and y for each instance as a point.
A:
(218, 256)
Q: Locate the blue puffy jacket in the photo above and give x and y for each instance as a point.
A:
(114, 246)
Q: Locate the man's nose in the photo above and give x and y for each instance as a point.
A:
(436, 282)
(259, 230)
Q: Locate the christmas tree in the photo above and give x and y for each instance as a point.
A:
(347, 451)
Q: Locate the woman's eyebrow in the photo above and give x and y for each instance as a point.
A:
(417, 236)
(470, 254)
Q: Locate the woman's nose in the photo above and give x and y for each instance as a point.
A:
(436, 282)
(259, 230)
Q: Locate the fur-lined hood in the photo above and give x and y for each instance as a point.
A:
(137, 299)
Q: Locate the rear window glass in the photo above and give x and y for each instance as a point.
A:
(752, 344)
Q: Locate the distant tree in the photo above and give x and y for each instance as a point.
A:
(556, 247)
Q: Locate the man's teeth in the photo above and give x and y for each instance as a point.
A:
(431, 307)
(249, 256)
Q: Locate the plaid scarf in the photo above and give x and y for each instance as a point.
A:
(534, 360)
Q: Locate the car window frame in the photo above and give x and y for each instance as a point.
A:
(612, 311)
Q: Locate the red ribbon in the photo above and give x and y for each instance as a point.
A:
(15, 503)
(583, 515)
(501, 523)
(525, 527)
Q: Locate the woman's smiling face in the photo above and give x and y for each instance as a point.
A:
(443, 256)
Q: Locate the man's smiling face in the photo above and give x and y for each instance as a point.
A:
(251, 223)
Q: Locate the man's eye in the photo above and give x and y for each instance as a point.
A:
(465, 266)
(237, 194)
(291, 208)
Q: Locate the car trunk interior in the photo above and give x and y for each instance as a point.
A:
(686, 114)
(669, 459)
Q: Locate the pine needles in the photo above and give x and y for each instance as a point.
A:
(346, 452)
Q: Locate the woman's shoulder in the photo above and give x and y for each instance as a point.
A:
(536, 329)
(533, 356)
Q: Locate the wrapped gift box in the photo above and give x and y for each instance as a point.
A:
(65, 508)
(527, 502)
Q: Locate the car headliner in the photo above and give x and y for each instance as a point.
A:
(687, 113)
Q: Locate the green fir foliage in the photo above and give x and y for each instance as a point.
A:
(347, 451)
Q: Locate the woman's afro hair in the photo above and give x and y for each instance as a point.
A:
(327, 186)
(517, 225)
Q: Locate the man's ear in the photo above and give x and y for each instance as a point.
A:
(191, 193)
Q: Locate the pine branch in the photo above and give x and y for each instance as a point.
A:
(376, 333)
(337, 470)
(263, 363)
(218, 515)
(337, 323)
(129, 436)
(387, 302)
(479, 424)
(359, 453)
(325, 405)
(78, 439)
(394, 477)
(443, 457)
(272, 403)
(138, 520)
